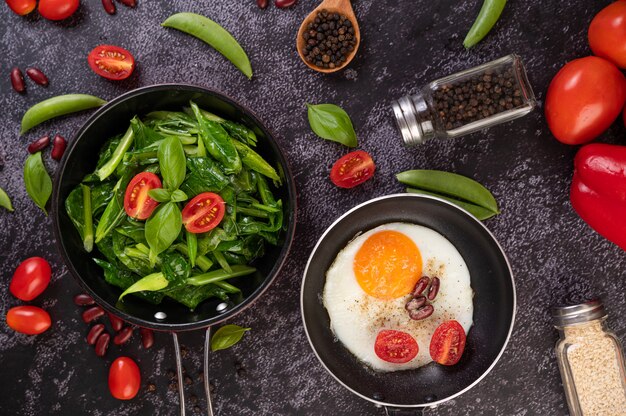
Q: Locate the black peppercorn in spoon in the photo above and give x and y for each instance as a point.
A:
(329, 37)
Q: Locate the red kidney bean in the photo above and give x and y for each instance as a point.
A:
(123, 336)
(434, 288)
(116, 323)
(421, 313)
(92, 314)
(415, 303)
(37, 76)
(129, 3)
(421, 285)
(262, 3)
(102, 344)
(94, 333)
(147, 337)
(58, 147)
(109, 6)
(283, 4)
(39, 144)
(17, 80)
(83, 299)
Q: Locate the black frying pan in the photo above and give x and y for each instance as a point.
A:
(409, 392)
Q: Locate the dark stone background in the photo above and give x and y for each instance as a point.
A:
(554, 255)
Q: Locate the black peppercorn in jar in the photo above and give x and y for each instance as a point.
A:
(467, 101)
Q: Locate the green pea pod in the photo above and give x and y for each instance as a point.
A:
(213, 34)
(219, 275)
(56, 107)
(252, 160)
(150, 283)
(37, 181)
(487, 17)
(479, 212)
(5, 201)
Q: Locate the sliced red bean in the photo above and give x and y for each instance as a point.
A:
(147, 337)
(92, 314)
(39, 144)
(58, 147)
(420, 286)
(116, 323)
(129, 3)
(83, 299)
(94, 333)
(415, 303)
(434, 288)
(262, 3)
(123, 336)
(17, 80)
(283, 4)
(102, 344)
(109, 6)
(422, 313)
(37, 76)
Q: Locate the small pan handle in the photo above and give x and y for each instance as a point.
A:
(396, 411)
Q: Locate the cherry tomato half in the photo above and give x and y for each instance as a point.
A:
(447, 343)
(584, 98)
(137, 202)
(124, 378)
(29, 320)
(111, 62)
(22, 7)
(57, 9)
(30, 279)
(607, 33)
(395, 346)
(352, 169)
(203, 213)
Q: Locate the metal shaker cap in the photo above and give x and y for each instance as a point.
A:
(576, 314)
(407, 111)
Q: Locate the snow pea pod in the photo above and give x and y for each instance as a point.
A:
(487, 18)
(58, 106)
(477, 211)
(252, 160)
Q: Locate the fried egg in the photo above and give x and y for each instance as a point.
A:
(371, 280)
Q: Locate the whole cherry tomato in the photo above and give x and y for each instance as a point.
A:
(607, 33)
(352, 169)
(203, 213)
(124, 378)
(584, 98)
(22, 7)
(57, 9)
(30, 279)
(29, 320)
(448, 343)
(395, 346)
(137, 203)
(111, 62)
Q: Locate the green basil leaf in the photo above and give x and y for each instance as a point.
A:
(227, 336)
(331, 122)
(162, 229)
(160, 194)
(172, 162)
(5, 201)
(37, 181)
(179, 196)
(150, 283)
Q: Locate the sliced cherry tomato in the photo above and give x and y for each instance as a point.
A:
(124, 378)
(137, 203)
(607, 33)
(22, 7)
(111, 62)
(395, 346)
(352, 169)
(203, 213)
(448, 343)
(30, 279)
(29, 320)
(57, 9)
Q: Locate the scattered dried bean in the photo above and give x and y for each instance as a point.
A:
(415, 303)
(421, 313)
(283, 4)
(92, 314)
(116, 323)
(83, 299)
(39, 144)
(147, 337)
(102, 344)
(421, 285)
(123, 336)
(129, 3)
(109, 6)
(17, 80)
(94, 333)
(37, 76)
(434, 288)
(58, 147)
(262, 3)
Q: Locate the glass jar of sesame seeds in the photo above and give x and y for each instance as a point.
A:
(590, 360)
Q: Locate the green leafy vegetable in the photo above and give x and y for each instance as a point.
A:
(162, 229)
(114, 212)
(254, 161)
(179, 196)
(109, 167)
(87, 219)
(5, 201)
(150, 283)
(219, 275)
(160, 194)
(331, 122)
(192, 247)
(227, 336)
(172, 163)
(37, 181)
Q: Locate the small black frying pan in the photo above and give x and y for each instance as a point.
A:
(409, 392)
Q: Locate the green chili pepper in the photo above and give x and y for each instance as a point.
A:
(117, 156)
(58, 106)
(219, 275)
(487, 18)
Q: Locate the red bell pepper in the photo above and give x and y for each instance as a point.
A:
(598, 192)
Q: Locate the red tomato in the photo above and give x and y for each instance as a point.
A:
(124, 378)
(395, 346)
(137, 203)
(607, 33)
(29, 320)
(352, 169)
(111, 62)
(30, 279)
(22, 7)
(203, 213)
(447, 343)
(584, 98)
(57, 9)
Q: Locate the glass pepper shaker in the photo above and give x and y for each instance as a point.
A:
(474, 99)
(590, 360)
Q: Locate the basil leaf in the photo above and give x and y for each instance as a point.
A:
(160, 194)
(5, 201)
(179, 196)
(162, 229)
(331, 122)
(172, 162)
(227, 336)
(37, 181)
(150, 283)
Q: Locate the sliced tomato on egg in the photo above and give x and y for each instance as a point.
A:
(111, 62)
(137, 202)
(352, 169)
(448, 343)
(203, 213)
(395, 346)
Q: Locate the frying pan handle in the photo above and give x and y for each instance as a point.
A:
(179, 372)
(207, 388)
(395, 411)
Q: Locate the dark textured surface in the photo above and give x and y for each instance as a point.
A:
(554, 255)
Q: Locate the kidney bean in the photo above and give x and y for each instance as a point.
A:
(434, 288)
(415, 303)
(39, 144)
(421, 313)
(262, 3)
(92, 314)
(37, 76)
(123, 336)
(83, 299)
(94, 333)
(17, 80)
(116, 323)
(147, 337)
(129, 3)
(283, 4)
(58, 147)
(109, 6)
(102, 344)
(421, 285)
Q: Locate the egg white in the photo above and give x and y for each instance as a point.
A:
(356, 318)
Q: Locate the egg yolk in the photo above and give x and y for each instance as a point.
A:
(388, 265)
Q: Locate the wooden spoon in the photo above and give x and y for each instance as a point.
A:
(343, 7)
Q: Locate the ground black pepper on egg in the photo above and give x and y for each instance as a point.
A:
(329, 40)
(476, 98)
